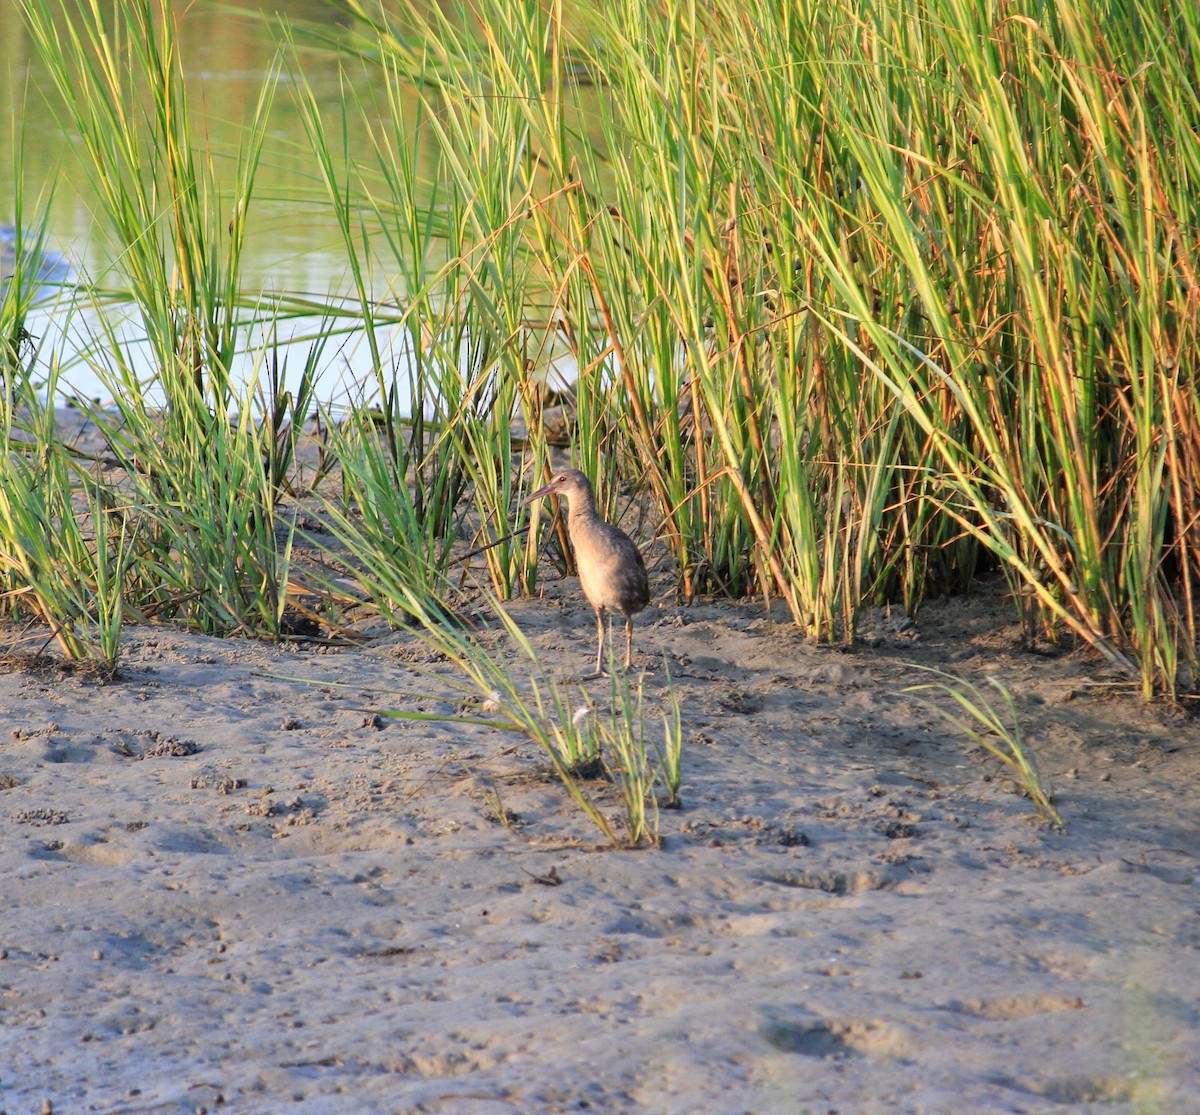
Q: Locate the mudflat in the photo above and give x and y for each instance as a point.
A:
(231, 885)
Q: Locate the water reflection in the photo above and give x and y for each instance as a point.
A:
(49, 268)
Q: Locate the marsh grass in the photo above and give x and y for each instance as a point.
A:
(398, 551)
(213, 549)
(544, 715)
(189, 510)
(857, 302)
(670, 751)
(450, 235)
(635, 766)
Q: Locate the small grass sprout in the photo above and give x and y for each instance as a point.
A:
(627, 759)
(670, 751)
(981, 722)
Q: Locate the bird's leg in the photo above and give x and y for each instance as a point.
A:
(599, 642)
(628, 641)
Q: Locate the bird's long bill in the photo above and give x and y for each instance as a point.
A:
(538, 494)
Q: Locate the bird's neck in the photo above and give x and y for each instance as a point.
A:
(581, 507)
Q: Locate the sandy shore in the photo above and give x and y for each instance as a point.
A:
(229, 887)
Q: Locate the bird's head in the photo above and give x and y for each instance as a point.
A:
(570, 483)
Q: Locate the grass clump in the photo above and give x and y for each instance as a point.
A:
(193, 464)
(582, 740)
(636, 767)
(64, 551)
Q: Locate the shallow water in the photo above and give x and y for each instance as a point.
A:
(292, 244)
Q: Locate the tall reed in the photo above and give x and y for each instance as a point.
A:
(441, 204)
(179, 242)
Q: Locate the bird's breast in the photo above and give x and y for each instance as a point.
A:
(611, 571)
